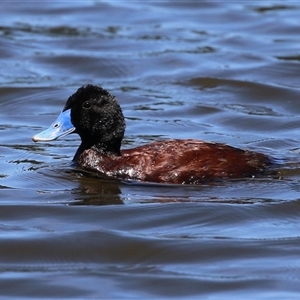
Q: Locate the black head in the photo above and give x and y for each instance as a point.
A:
(97, 118)
(95, 115)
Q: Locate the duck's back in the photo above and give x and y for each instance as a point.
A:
(177, 161)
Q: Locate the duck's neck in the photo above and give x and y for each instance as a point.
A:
(102, 148)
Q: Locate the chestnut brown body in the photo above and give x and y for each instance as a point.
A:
(177, 161)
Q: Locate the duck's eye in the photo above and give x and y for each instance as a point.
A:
(86, 105)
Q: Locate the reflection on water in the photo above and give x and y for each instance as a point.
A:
(225, 72)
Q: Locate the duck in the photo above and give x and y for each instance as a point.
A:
(96, 116)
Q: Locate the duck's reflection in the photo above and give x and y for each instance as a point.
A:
(96, 191)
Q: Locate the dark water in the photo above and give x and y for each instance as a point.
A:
(218, 71)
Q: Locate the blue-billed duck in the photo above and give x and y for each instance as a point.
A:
(96, 116)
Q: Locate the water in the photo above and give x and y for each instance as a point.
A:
(218, 71)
